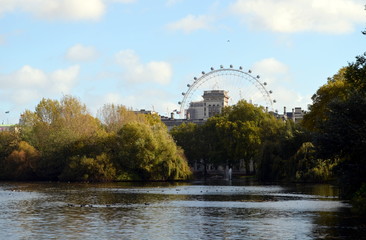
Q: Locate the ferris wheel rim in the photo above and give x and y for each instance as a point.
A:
(226, 71)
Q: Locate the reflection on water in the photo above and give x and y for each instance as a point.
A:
(199, 210)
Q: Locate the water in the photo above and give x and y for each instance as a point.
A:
(198, 210)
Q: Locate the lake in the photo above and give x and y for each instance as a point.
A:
(240, 209)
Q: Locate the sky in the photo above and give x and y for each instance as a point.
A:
(143, 53)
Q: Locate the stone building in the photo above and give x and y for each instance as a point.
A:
(212, 104)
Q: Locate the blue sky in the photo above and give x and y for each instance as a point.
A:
(142, 53)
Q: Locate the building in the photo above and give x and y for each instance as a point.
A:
(8, 128)
(212, 104)
(195, 110)
(143, 111)
(171, 122)
(296, 115)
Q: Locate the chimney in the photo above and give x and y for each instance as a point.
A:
(172, 115)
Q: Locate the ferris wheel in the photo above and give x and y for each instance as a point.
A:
(238, 83)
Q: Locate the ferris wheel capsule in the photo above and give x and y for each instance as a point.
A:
(212, 69)
(203, 72)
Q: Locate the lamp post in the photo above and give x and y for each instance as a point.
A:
(7, 119)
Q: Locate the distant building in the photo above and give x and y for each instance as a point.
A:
(212, 104)
(296, 115)
(171, 122)
(8, 128)
(143, 111)
(196, 110)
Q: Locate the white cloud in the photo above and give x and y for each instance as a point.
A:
(81, 53)
(23, 96)
(7, 5)
(28, 77)
(192, 23)
(114, 98)
(278, 71)
(136, 72)
(60, 9)
(279, 79)
(290, 99)
(64, 79)
(30, 83)
(271, 65)
(330, 16)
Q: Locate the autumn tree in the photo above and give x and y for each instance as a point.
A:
(52, 127)
(21, 164)
(115, 116)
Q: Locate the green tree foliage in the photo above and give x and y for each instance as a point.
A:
(342, 138)
(243, 129)
(312, 169)
(191, 138)
(340, 134)
(356, 74)
(83, 168)
(280, 157)
(60, 140)
(336, 88)
(148, 153)
(229, 138)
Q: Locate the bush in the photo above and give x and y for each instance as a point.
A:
(21, 163)
(82, 168)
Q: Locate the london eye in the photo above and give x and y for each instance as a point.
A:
(239, 84)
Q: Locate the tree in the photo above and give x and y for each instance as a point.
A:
(21, 163)
(149, 154)
(236, 134)
(8, 143)
(52, 127)
(115, 116)
(83, 168)
(340, 124)
(343, 138)
(186, 135)
(335, 88)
